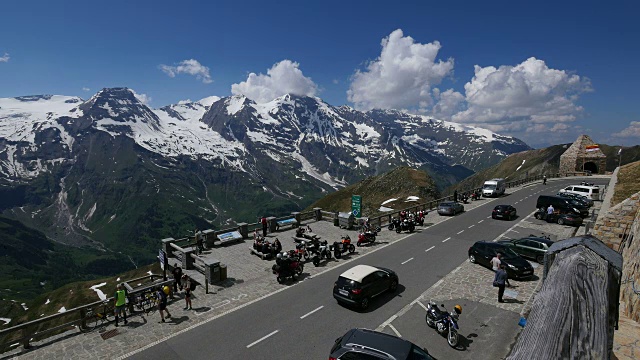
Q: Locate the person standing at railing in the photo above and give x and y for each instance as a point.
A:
(177, 276)
(120, 299)
(264, 226)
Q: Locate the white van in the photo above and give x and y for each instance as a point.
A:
(494, 187)
(590, 192)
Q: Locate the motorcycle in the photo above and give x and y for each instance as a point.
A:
(366, 237)
(287, 266)
(320, 250)
(465, 199)
(419, 218)
(394, 224)
(302, 252)
(475, 196)
(406, 225)
(444, 322)
(343, 246)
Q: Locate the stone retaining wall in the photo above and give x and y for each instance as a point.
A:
(612, 227)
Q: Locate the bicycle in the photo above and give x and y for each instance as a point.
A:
(93, 317)
(146, 301)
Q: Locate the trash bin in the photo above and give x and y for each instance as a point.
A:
(345, 220)
(214, 272)
(223, 272)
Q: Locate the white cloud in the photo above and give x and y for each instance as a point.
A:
(143, 98)
(401, 77)
(529, 97)
(5, 58)
(632, 131)
(448, 103)
(283, 78)
(190, 67)
(86, 89)
(336, 81)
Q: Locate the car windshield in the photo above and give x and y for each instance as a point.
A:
(489, 187)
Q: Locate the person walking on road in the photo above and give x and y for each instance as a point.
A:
(264, 226)
(186, 283)
(544, 180)
(455, 195)
(177, 276)
(121, 302)
(499, 281)
(162, 303)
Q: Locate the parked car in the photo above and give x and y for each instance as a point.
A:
(483, 251)
(450, 208)
(359, 284)
(586, 201)
(530, 247)
(591, 192)
(560, 218)
(504, 212)
(364, 344)
(561, 204)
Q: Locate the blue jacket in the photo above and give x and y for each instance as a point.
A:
(501, 277)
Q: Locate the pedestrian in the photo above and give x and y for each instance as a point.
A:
(455, 195)
(264, 226)
(500, 281)
(177, 276)
(162, 303)
(544, 180)
(550, 209)
(120, 299)
(495, 262)
(198, 237)
(186, 283)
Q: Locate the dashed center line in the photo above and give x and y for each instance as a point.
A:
(460, 232)
(311, 312)
(470, 226)
(429, 248)
(406, 261)
(480, 221)
(262, 338)
(447, 239)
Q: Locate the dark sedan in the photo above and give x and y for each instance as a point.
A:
(504, 212)
(585, 201)
(450, 208)
(517, 267)
(561, 219)
(530, 247)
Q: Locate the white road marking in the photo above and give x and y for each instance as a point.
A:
(421, 304)
(311, 312)
(429, 248)
(460, 232)
(488, 217)
(515, 231)
(480, 221)
(262, 338)
(395, 331)
(447, 239)
(406, 261)
(471, 226)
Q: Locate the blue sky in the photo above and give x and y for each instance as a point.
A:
(546, 71)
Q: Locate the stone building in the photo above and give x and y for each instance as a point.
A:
(578, 159)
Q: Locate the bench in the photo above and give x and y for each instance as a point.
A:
(261, 255)
(228, 237)
(285, 222)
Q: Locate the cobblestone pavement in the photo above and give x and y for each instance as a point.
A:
(250, 279)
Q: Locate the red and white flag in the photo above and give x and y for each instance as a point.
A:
(591, 148)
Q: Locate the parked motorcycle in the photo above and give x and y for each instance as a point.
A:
(395, 222)
(287, 265)
(320, 250)
(406, 225)
(343, 246)
(475, 196)
(366, 237)
(444, 322)
(302, 252)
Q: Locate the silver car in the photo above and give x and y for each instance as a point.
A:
(450, 208)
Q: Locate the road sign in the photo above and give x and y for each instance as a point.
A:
(162, 257)
(356, 205)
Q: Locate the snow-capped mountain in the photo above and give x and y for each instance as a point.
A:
(81, 165)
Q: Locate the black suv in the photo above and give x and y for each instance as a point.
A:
(585, 201)
(561, 204)
(530, 247)
(363, 344)
(483, 251)
(359, 284)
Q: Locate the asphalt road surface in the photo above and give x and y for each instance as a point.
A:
(303, 321)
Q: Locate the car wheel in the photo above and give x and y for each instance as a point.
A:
(472, 259)
(493, 216)
(540, 259)
(394, 286)
(560, 221)
(364, 303)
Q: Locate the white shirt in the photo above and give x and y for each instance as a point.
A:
(495, 263)
(550, 210)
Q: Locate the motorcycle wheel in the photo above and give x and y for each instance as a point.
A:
(430, 321)
(306, 256)
(452, 338)
(280, 279)
(390, 227)
(328, 255)
(299, 270)
(352, 248)
(359, 244)
(338, 254)
(538, 216)
(411, 228)
(316, 261)
(398, 230)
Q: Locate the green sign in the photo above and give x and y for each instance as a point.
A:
(356, 205)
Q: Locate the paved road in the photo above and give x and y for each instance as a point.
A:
(303, 320)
